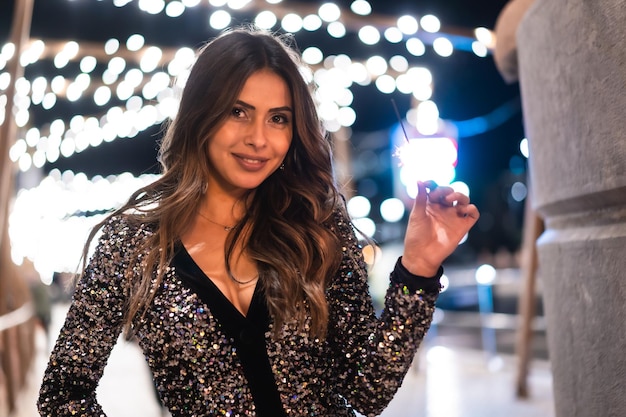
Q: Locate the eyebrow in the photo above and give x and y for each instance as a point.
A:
(275, 109)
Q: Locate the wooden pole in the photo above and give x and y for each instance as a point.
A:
(14, 355)
(533, 227)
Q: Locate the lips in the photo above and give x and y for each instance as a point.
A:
(249, 162)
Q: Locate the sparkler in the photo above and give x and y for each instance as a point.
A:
(404, 150)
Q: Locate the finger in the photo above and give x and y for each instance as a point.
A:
(468, 211)
(422, 195)
(440, 196)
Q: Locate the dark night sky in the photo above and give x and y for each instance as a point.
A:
(465, 86)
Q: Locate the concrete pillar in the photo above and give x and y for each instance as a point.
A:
(572, 72)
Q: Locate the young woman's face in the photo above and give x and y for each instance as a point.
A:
(254, 139)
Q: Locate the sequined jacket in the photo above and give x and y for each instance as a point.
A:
(196, 369)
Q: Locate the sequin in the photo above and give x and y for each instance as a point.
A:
(196, 369)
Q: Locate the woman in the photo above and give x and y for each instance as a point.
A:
(238, 271)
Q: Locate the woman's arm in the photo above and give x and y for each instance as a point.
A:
(91, 329)
(372, 355)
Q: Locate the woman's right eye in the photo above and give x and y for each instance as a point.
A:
(237, 112)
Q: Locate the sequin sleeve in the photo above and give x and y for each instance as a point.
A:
(372, 355)
(90, 331)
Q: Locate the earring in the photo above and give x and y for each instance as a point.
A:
(282, 166)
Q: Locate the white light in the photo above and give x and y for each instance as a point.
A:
(369, 35)
(291, 22)
(358, 73)
(124, 90)
(485, 36)
(22, 87)
(479, 49)
(49, 100)
(346, 116)
(420, 75)
(70, 49)
(219, 19)
(57, 127)
(359, 206)
(460, 187)
(392, 210)
(5, 80)
(430, 23)
(77, 123)
(116, 65)
(150, 59)
(376, 65)
(344, 98)
(312, 55)
(134, 103)
(102, 95)
(399, 63)
(21, 117)
(328, 110)
(523, 147)
(109, 77)
(67, 147)
(151, 6)
(25, 162)
(361, 7)
(336, 30)
(111, 46)
(135, 42)
(342, 61)
(61, 60)
(366, 226)
(17, 150)
(386, 84)
(134, 77)
(485, 274)
(32, 137)
(39, 159)
(443, 47)
(216, 3)
(422, 92)
(427, 118)
(312, 22)
(519, 191)
(237, 4)
(265, 20)
(82, 81)
(7, 51)
(88, 64)
(329, 12)
(415, 47)
(407, 24)
(174, 9)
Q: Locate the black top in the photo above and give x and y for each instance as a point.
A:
(247, 332)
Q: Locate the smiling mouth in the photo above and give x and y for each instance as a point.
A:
(250, 162)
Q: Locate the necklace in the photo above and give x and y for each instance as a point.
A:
(232, 277)
(227, 228)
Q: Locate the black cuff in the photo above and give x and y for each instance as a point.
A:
(414, 283)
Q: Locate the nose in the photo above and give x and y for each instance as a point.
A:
(256, 135)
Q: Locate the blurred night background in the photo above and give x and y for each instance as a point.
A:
(101, 77)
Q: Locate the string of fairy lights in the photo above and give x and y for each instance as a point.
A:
(136, 86)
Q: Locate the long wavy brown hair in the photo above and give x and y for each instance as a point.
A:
(288, 215)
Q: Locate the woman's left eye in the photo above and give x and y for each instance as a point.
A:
(280, 119)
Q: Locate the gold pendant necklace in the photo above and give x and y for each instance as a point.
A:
(227, 228)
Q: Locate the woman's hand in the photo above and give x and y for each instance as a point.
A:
(437, 223)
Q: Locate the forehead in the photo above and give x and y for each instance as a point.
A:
(265, 87)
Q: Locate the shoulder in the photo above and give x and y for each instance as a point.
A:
(125, 229)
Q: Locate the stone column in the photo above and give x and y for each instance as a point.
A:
(572, 72)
